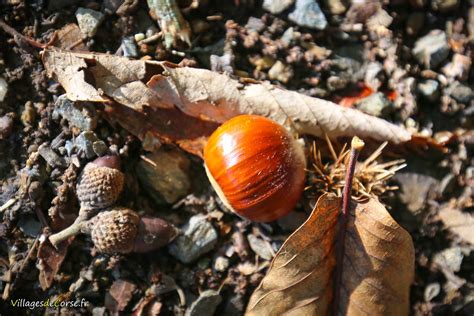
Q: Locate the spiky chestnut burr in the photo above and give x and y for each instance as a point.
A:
(121, 230)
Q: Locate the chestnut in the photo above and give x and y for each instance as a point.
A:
(256, 167)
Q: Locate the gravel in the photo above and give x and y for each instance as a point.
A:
(307, 13)
(88, 21)
(432, 49)
(198, 238)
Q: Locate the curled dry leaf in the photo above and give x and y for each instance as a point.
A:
(159, 98)
(50, 260)
(378, 266)
(119, 296)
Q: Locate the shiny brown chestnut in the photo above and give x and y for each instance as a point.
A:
(256, 167)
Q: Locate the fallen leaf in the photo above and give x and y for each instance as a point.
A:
(159, 98)
(50, 260)
(70, 37)
(459, 222)
(377, 270)
(119, 295)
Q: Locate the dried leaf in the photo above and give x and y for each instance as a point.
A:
(459, 222)
(119, 295)
(50, 260)
(377, 271)
(159, 98)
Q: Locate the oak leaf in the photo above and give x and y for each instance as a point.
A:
(377, 269)
(159, 98)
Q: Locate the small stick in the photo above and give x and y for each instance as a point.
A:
(356, 146)
(20, 37)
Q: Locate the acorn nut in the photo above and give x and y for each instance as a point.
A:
(121, 230)
(100, 184)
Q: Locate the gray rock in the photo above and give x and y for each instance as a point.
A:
(429, 89)
(79, 116)
(374, 75)
(205, 305)
(460, 92)
(3, 89)
(288, 36)
(69, 146)
(129, 47)
(276, 6)
(451, 258)
(432, 49)
(221, 264)
(99, 147)
(88, 21)
(198, 238)
(375, 104)
(85, 143)
(260, 247)
(334, 83)
(51, 158)
(165, 174)
(307, 13)
(255, 24)
(29, 226)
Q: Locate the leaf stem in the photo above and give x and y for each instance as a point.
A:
(356, 146)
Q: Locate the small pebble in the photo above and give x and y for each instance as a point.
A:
(260, 247)
(432, 49)
(77, 115)
(221, 264)
(3, 89)
(276, 6)
(205, 305)
(164, 174)
(88, 21)
(99, 147)
(139, 37)
(429, 89)
(84, 142)
(198, 238)
(460, 92)
(129, 47)
(307, 13)
(376, 104)
(51, 158)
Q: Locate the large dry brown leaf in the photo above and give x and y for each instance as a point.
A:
(377, 269)
(155, 97)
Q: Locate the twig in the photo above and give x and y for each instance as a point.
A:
(356, 146)
(24, 39)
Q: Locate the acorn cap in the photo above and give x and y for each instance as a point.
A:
(114, 231)
(100, 183)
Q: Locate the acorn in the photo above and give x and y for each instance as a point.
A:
(100, 184)
(256, 167)
(121, 230)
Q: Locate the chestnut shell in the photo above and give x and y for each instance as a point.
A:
(256, 167)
